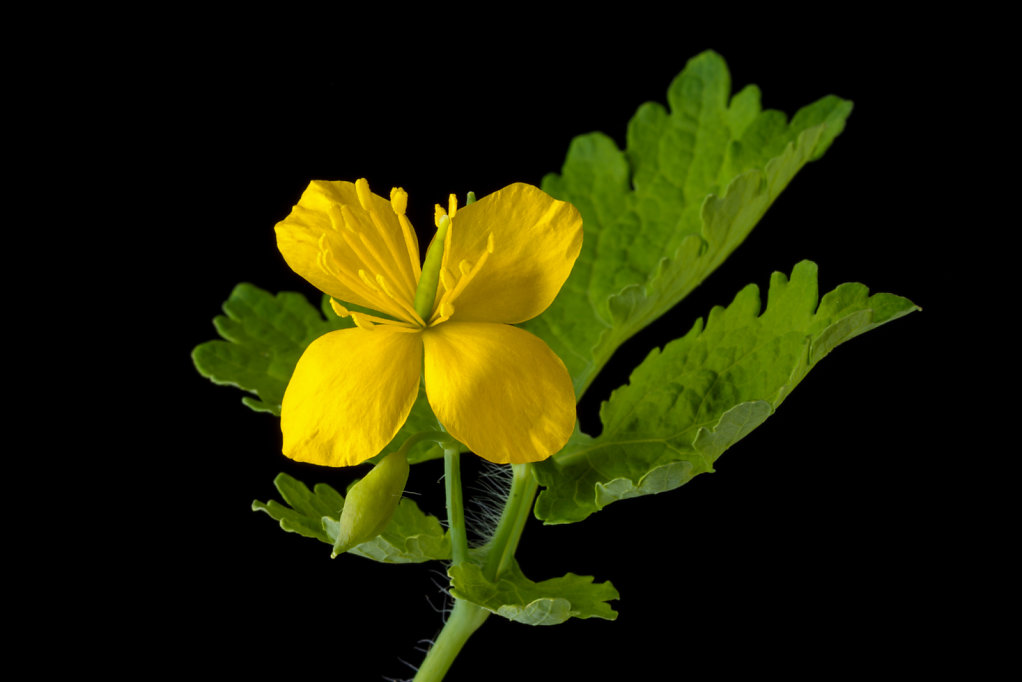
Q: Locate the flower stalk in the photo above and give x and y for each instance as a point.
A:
(455, 505)
(466, 617)
(512, 521)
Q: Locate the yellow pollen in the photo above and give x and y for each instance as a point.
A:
(399, 200)
(364, 195)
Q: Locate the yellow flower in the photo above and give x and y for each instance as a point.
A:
(496, 388)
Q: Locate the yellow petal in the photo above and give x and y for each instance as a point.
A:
(536, 240)
(353, 245)
(499, 390)
(350, 394)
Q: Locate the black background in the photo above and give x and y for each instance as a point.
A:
(810, 550)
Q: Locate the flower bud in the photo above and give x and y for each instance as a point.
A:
(371, 502)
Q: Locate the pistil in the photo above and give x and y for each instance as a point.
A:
(425, 293)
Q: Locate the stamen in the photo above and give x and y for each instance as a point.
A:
(367, 321)
(363, 249)
(364, 195)
(336, 219)
(399, 274)
(468, 273)
(411, 246)
(402, 302)
(321, 262)
(368, 282)
(369, 255)
(442, 314)
(452, 206)
(351, 222)
(327, 260)
(362, 321)
(399, 200)
(339, 309)
(382, 298)
(404, 328)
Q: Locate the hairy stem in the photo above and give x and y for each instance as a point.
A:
(512, 521)
(466, 617)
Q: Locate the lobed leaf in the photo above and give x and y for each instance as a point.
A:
(264, 337)
(411, 536)
(549, 602)
(685, 405)
(307, 507)
(660, 216)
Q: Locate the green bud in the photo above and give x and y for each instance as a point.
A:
(371, 502)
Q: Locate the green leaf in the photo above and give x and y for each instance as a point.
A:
(704, 392)
(517, 598)
(308, 507)
(411, 536)
(265, 335)
(662, 215)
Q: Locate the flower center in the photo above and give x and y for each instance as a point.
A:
(438, 269)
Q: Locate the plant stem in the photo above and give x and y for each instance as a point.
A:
(512, 521)
(466, 617)
(455, 505)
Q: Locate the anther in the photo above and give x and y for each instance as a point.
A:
(364, 195)
(339, 309)
(365, 278)
(399, 200)
(348, 220)
(361, 322)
